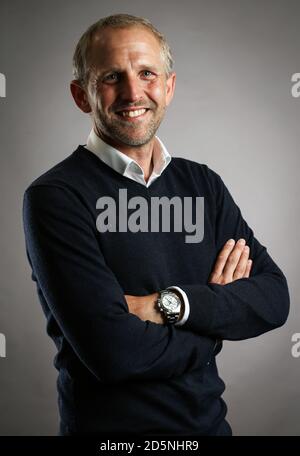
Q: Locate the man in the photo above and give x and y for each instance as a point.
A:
(138, 315)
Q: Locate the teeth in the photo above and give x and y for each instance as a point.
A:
(136, 113)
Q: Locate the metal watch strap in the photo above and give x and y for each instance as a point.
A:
(172, 318)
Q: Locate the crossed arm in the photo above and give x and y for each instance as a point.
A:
(82, 296)
(233, 305)
(232, 263)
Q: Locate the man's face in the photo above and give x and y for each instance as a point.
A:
(128, 89)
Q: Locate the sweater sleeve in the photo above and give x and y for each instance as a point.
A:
(246, 307)
(87, 301)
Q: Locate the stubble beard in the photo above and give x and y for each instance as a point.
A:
(123, 131)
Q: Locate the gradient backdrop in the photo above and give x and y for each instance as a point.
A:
(233, 110)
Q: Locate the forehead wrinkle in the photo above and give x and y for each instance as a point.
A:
(109, 52)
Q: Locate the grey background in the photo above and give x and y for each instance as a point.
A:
(233, 110)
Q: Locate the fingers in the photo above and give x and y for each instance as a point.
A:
(241, 266)
(248, 269)
(221, 261)
(233, 261)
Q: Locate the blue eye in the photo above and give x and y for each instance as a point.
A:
(147, 73)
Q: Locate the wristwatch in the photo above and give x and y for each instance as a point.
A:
(170, 304)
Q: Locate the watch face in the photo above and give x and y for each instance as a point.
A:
(170, 302)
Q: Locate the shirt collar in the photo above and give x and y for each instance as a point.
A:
(125, 165)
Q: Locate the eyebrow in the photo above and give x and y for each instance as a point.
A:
(111, 70)
(115, 69)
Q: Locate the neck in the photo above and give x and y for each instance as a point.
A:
(143, 154)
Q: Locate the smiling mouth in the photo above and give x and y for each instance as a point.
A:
(132, 114)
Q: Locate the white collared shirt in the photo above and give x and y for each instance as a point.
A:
(128, 167)
(125, 165)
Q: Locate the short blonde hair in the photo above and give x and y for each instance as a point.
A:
(80, 57)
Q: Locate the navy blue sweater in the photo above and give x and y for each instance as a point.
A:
(118, 373)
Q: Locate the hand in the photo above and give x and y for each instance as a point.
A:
(145, 307)
(232, 263)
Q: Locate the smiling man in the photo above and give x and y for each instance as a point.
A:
(138, 314)
(126, 87)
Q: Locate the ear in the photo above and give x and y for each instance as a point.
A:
(170, 88)
(80, 96)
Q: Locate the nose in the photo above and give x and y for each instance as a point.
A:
(131, 88)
